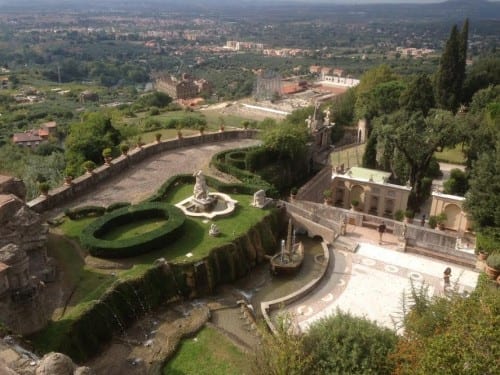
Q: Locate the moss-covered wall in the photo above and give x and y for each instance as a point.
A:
(128, 300)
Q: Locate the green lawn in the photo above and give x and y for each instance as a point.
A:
(133, 229)
(352, 157)
(208, 353)
(451, 155)
(195, 240)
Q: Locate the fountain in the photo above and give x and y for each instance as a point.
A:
(204, 203)
(289, 259)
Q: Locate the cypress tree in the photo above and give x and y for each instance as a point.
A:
(448, 83)
(463, 38)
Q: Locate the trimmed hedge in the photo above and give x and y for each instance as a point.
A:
(116, 206)
(250, 181)
(84, 211)
(236, 159)
(153, 240)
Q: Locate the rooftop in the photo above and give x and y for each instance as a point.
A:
(368, 174)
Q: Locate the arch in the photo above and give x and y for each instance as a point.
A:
(453, 216)
(358, 193)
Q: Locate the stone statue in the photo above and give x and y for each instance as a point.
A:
(309, 122)
(200, 190)
(327, 117)
(260, 200)
(214, 230)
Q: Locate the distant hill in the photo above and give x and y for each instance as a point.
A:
(451, 10)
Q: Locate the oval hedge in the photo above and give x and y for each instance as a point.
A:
(153, 240)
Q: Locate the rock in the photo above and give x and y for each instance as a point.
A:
(12, 185)
(55, 364)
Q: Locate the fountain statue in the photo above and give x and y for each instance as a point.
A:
(289, 259)
(204, 203)
(200, 190)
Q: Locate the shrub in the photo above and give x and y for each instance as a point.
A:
(154, 111)
(409, 214)
(344, 344)
(488, 240)
(433, 221)
(355, 203)
(107, 152)
(117, 205)
(398, 215)
(124, 148)
(91, 236)
(43, 187)
(89, 165)
(236, 159)
(493, 260)
(84, 211)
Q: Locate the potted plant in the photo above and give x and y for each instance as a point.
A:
(327, 196)
(179, 131)
(89, 166)
(222, 123)
(107, 155)
(441, 220)
(432, 221)
(293, 193)
(201, 129)
(409, 215)
(158, 137)
(69, 174)
(124, 149)
(399, 215)
(492, 268)
(354, 204)
(43, 187)
(139, 142)
(245, 124)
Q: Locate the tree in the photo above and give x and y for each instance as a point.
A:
(417, 138)
(369, 80)
(451, 74)
(418, 95)
(451, 335)
(344, 344)
(457, 184)
(483, 197)
(288, 141)
(87, 139)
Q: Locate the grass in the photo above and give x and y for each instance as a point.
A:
(91, 283)
(208, 353)
(451, 155)
(352, 157)
(133, 229)
(195, 240)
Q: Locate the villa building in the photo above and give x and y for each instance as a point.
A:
(370, 189)
(452, 207)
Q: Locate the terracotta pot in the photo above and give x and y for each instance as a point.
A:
(482, 255)
(68, 180)
(493, 273)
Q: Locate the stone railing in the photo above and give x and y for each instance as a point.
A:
(314, 188)
(87, 182)
(434, 243)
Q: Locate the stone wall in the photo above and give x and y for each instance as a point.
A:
(314, 188)
(87, 182)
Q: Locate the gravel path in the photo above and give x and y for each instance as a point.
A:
(143, 179)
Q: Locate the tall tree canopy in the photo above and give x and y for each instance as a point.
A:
(416, 138)
(87, 139)
(451, 74)
(418, 95)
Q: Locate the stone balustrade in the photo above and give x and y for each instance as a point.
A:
(88, 181)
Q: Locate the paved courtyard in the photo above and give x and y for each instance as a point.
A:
(143, 179)
(372, 281)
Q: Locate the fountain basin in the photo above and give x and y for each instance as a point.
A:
(216, 204)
